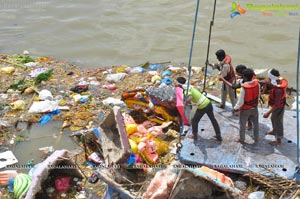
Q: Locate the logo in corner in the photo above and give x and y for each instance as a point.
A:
(236, 10)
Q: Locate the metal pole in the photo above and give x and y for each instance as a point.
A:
(191, 50)
(208, 45)
(297, 98)
(179, 145)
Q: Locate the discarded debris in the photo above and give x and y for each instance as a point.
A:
(126, 124)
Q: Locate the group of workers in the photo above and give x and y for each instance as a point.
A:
(247, 102)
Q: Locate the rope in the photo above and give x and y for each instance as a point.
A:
(179, 145)
(208, 45)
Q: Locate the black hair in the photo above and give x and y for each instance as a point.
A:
(240, 68)
(181, 80)
(275, 72)
(220, 54)
(248, 74)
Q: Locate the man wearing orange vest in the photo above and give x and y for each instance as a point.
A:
(247, 104)
(277, 101)
(227, 73)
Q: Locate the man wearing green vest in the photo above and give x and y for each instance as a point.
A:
(203, 106)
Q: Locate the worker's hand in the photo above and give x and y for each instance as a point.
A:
(221, 78)
(236, 86)
(266, 115)
(234, 110)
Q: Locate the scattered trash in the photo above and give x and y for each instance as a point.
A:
(7, 158)
(115, 77)
(31, 64)
(37, 71)
(45, 95)
(113, 101)
(138, 143)
(80, 88)
(7, 70)
(257, 195)
(17, 105)
(22, 183)
(43, 106)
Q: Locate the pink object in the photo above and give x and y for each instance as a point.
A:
(128, 119)
(179, 104)
(161, 185)
(155, 130)
(141, 146)
(137, 159)
(148, 124)
(142, 129)
(62, 184)
(111, 87)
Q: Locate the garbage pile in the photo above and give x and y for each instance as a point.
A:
(126, 123)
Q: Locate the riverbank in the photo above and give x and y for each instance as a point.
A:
(84, 96)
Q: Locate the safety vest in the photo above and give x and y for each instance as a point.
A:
(198, 98)
(283, 83)
(251, 95)
(230, 76)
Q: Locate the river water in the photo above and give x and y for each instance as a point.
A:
(103, 33)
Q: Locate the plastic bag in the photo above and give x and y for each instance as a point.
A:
(155, 66)
(114, 101)
(45, 119)
(37, 71)
(115, 77)
(43, 106)
(45, 95)
(137, 70)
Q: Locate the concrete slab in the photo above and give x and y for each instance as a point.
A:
(235, 157)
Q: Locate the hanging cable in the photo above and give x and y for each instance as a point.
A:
(208, 45)
(179, 145)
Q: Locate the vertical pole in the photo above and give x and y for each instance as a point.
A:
(179, 145)
(297, 98)
(191, 50)
(208, 45)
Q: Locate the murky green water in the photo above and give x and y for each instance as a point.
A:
(103, 33)
(37, 137)
(100, 33)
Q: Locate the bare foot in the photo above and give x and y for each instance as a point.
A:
(219, 138)
(270, 133)
(192, 136)
(240, 141)
(221, 106)
(275, 143)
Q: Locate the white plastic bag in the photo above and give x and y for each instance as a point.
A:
(45, 95)
(114, 101)
(43, 106)
(37, 71)
(115, 77)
